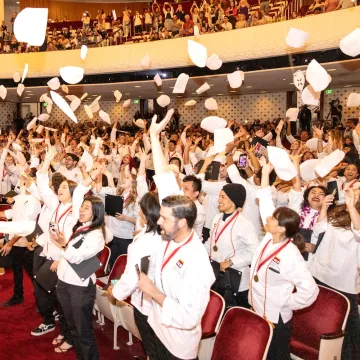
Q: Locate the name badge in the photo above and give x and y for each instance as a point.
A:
(275, 265)
(178, 266)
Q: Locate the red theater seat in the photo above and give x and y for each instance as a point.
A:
(210, 325)
(243, 335)
(318, 330)
(104, 259)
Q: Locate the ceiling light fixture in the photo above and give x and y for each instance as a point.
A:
(284, 79)
(220, 94)
(347, 86)
(233, 91)
(127, 93)
(211, 85)
(291, 83)
(249, 87)
(160, 92)
(137, 86)
(331, 70)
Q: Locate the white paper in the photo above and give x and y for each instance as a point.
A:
(180, 85)
(197, 53)
(296, 38)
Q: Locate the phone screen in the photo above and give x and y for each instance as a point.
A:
(242, 161)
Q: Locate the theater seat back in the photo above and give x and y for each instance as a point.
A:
(326, 315)
(243, 335)
(118, 268)
(211, 320)
(104, 259)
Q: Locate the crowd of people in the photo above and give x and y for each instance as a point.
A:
(157, 22)
(197, 206)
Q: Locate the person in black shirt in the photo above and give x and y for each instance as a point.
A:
(305, 118)
(3, 29)
(180, 13)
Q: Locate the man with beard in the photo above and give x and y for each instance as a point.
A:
(183, 274)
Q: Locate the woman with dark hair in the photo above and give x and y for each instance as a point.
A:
(277, 268)
(139, 252)
(350, 180)
(76, 295)
(62, 205)
(336, 262)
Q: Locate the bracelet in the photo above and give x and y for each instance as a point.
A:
(91, 178)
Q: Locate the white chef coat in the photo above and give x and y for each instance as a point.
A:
(73, 174)
(285, 271)
(144, 244)
(186, 281)
(244, 240)
(342, 185)
(26, 207)
(337, 259)
(93, 243)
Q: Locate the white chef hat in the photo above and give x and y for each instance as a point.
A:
(211, 104)
(146, 61)
(63, 105)
(163, 100)
(353, 100)
(214, 62)
(235, 79)
(72, 74)
(292, 114)
(54, 83)
(3, 92)
(190, 103)
(118, 95)
(307, 169)
(181, 82)
(126, 103)
(212, 123)
(317, 76)
(158, 80)
(310, 97)
(104, 116)
(312, 144)
(43, 117)
(83, 52)
(326, 164)
(203, 88)
(296, 38)
(197, 53)
(350, 44)
(221, 138)
(283, 166)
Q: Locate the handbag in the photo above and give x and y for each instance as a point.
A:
(46, 278)
(227, 283)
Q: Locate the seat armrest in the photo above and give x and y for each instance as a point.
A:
(332, 336)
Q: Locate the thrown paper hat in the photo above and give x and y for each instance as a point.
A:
(312, 144)
(104, 116)
(317, 76)
(20, 227)
(75, 103)
(310, 97)
(47, 99)
(146, 61)
(49, 108)
(43, 117)
(283, 166)
(292, 114)
(211, 104)
(350, 44)
(299, 79)
(26, 69)
(353, 100)
(87, 160)
(196, 32)
(3, 92)
(221, 138)
(203, 88)
(296, 38)
(30, 26)
(197, 53)
(326, 164)
(31, 124)
(20, 89)
(181, 82)
(63, 105)
(72, 74)
(118, 95)
(16, 77)
(212, 123)
(83, 52)
(214, 62)
(88, 111)
(190, 103)
(235, 79)
(54, 83)
(41, 99)
(39, 129)
(140, 123)
(65, 88)
(126, 103)
(83, 96)
(114, 14)
(95, 107)
(307, 169)
(158, 80)
(163, 100)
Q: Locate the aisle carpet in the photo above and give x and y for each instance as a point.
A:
(17, 321)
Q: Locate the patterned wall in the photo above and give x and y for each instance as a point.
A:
(115, 111)
(7, 108)
(243, 107)
(342, 94)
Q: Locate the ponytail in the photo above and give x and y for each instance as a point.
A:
(298, 241)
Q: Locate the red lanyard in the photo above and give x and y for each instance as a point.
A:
(272, 255)
(4, 173)
(353, 183)
(62, 215)
(74, 234)
(233, 218)
(174, 252)
(170, 156)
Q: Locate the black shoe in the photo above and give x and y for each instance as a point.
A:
(12, 301)
(43, 329)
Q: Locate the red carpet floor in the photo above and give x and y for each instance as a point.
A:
(17, 321)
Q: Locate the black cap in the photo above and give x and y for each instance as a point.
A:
(236, 193)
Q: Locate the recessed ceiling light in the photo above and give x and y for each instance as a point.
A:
(171, 87)
(28, 91)
(137, 86)
(179, 96)
(346, 86)
(27, 97)
(127, 93)
(211, 85)
(194, 93)
(94, 95)
(249, 87)
(331, 70)
(160, 92)
(284, 79)
(291, 83)
(233, 91)
(263, 91)
(220, 94)
(139, 95)
(18, 2)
